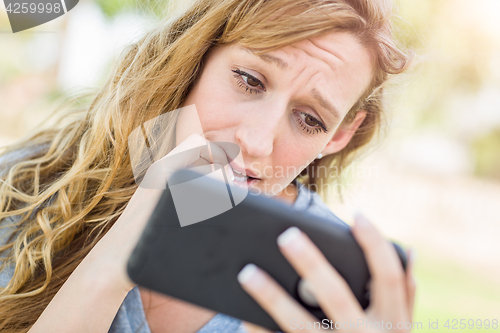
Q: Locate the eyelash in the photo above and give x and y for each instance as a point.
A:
(243, 85)
(308, 128)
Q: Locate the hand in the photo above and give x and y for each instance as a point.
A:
(392, 291)
(111, 253)
(95, 290)
(194, 151)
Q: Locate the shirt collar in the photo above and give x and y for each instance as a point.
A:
(304, 196)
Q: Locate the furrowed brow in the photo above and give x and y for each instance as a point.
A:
(315, 93)
(325, 104)
(274, 60)
(270, 59)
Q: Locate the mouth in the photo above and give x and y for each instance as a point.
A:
(243, 180)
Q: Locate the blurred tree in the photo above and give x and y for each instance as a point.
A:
(111, 8)
(486, 150)
(454, 55)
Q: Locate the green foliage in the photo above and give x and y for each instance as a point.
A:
(486, 150)
(111, 8)
(454, 53)
(448, 290)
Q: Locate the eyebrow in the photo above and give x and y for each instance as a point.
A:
(274, 60)
(325, 104)
(270, 59)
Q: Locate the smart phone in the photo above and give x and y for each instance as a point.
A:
(199, 262)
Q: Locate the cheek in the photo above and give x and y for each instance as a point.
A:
(215, 105)
(188, 123)
(292, 158)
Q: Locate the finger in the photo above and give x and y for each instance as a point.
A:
(195, 148)
(388, 281)
(328, 287)
(411, 285)
(223, 153)
(185, 154)
(233, 153)
(216, 155)
(283, 308)
(199, 162)
(191, 142)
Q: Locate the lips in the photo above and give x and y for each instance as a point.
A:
(243, 172)
(239, 171)
(241, 179)
(239, 176)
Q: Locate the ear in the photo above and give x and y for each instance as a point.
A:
(344, 134)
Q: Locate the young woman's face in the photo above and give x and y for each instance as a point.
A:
(283, 108)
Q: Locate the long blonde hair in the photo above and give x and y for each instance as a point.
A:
(68, 193)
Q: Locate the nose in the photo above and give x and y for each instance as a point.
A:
(258, 131)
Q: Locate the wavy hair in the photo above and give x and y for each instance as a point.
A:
(78, 178)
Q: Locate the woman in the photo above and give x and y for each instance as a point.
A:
(286, 80)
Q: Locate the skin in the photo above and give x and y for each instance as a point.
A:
(264, 119)
(260, 111)
(393, 291)
(263, 127)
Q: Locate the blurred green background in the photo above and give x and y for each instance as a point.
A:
(432, 180)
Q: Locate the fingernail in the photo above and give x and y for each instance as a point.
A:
(250, 276)
(290, 238)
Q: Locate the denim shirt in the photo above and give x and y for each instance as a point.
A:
(131, 318)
